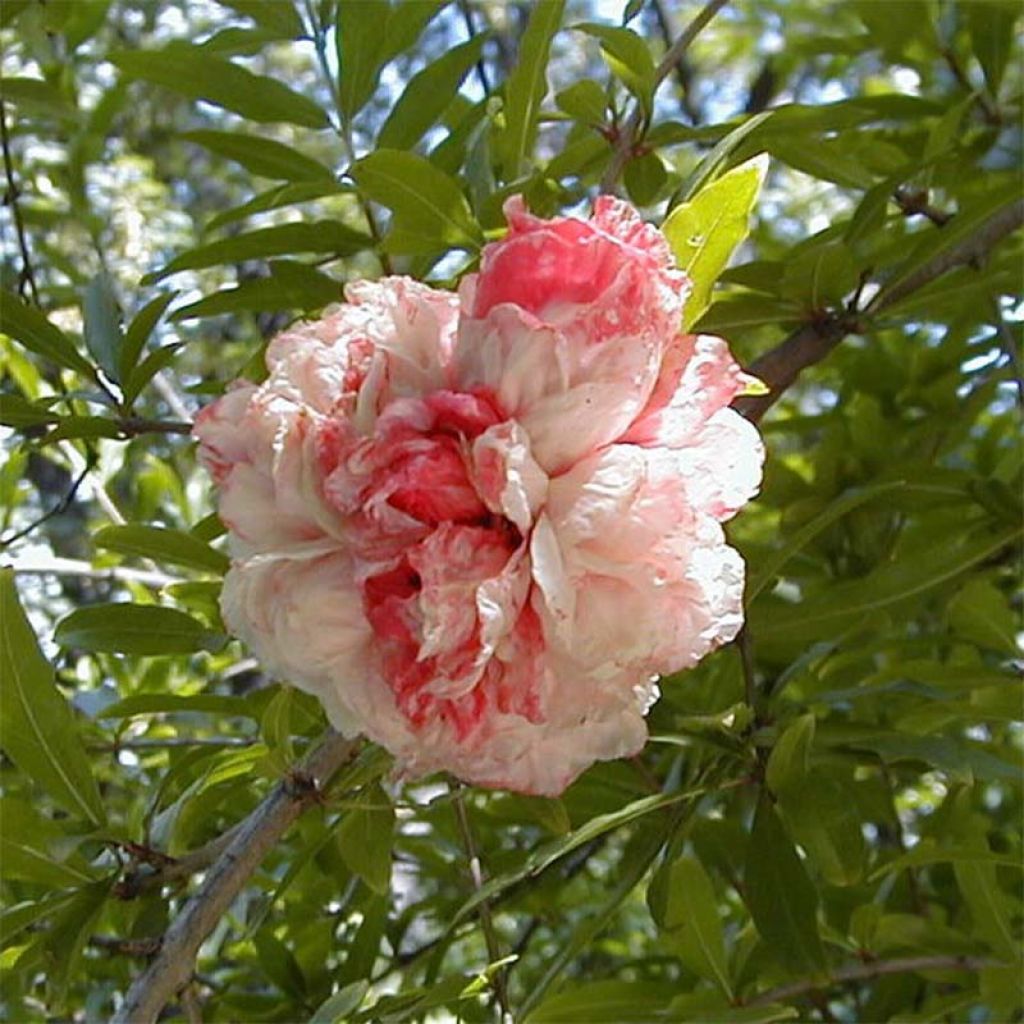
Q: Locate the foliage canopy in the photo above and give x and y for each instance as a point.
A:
(825, 824)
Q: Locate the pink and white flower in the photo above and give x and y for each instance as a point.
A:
(479, 527)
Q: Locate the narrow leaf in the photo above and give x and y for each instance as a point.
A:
(165, 546)
(527, 86)
(782, 900)
(26, 324)
(704, 232)
(37, 729)
(262, 156)
(191, 72)
(135, 629)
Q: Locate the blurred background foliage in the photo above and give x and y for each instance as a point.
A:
(826, 822)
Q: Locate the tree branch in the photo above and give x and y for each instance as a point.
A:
(27, 275)
(873, 969)
(173, 967)
(812, 342)
(627, 135)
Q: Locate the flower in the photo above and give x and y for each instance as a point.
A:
(479, 527)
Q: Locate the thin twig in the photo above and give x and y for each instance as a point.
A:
(812, 342)
(173, 967)
(133, 426)
(27, 275)
(627, 136)
(125, 947)
(481, 67)
(62, 506)
(872, 969)
(914, 203)
(484, 908)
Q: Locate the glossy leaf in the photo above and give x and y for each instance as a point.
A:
(526, 87)
(262, 243)
(201, 76)
(104, 337)
(365, 837)
(37, 730)
(782, 900)
(264, 157)
(162, 545)
(705, 231)
(135, 629)
(427, 96)
(28, 325)
(430, 211)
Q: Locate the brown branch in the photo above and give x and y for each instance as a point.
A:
(27, 275)
(125, 947)
(812, 342)
(172, 969)
(872, 969)
(133, 426)
(628, 134)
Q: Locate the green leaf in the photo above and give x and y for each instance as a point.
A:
(763, 574)
(928, 852)
(164, 546)
(199, 75)
(546, 854)
(157, 360)
(430, 211)
(992, 27)
(365, 837)
(135, 629)
(279, 965)
(526, 87)
(789, 760)
(981, 613)
(820, 276)
(36, 849)
(585, 101)
(781, 898)
(703, 1007)
(344, 1002)
(821, 813)
(315, 236)
(272, 15)
(605, 1001)
(842, 603)
(37, 730)
(704, 232)
(428, 95)
(142, 326)
(104, 337)
(265, 157)
(172, 703)
(33, 95)
(645, 176)
(692, 922)
(629, 58)
(988, 906)
(366, 43)
(26, 324)
(16, 412)
(291, 286)
(290, 194)
(708, 169)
